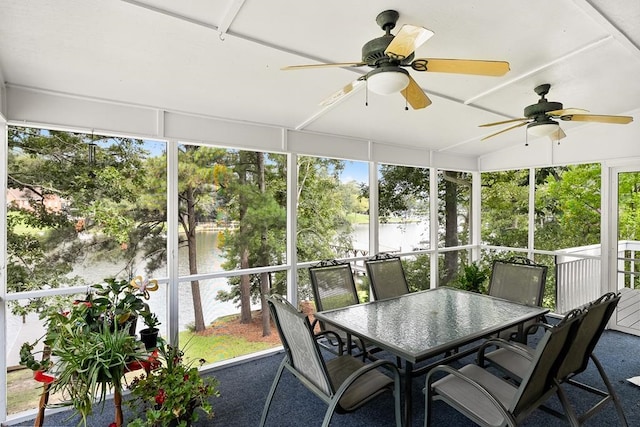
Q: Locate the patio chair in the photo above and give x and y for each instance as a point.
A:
(333, 287)
(587, 335)
(344, 383)
(519, 280)
(490, 400)
(386, 276)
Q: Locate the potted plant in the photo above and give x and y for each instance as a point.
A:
(119, 303)
(172, 393)
(90, 345)
(149, 335)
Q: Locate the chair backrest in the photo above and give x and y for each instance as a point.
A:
(333, 285)
(597, 315)
(299, 343)
(549, 354)
(518, 281)
(386, 276)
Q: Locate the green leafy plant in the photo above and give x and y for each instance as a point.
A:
(118, 301)
(150, 319)
(173, 392)
(472, 278)
(87, 347)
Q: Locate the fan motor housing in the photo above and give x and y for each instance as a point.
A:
(373, 52)
(541, 108)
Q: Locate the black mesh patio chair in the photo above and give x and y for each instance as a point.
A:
(518, 280)
(490, 400)
(333, 287)
(587, 335)
(386, 276)
(344, 383)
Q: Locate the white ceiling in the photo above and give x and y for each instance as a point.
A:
(223, 58)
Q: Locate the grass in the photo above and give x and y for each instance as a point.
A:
(26, 392)
(215, 348)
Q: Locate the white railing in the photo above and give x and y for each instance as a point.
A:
(578, 273)
(578, 282)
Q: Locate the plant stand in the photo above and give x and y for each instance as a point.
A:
(48, 380)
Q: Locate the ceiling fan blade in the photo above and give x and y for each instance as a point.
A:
(504, 130)
(415, 96)
(341, 93)
(337, 64)
(408, 39)
(618, 120)
(567, 111)
(461, 66)
(557, 135)
(503, 122)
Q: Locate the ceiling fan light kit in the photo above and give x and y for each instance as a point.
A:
(387, 80)
(543, 129)
(388, 53)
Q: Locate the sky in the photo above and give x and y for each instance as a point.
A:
(358, 171)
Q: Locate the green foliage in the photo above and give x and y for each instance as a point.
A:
(322, 215)
(172, 391)
(472, 278)
(90, 345)
(505, 208)
(97, 198)
(90, 364)
(403, 191)
(569, 201)
(417, 273)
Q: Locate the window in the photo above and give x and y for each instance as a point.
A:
(505, 208)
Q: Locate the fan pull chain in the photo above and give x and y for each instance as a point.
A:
(406, 104)
(366, 94)
(526, 137)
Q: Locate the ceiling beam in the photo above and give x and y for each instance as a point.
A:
(599, 17)
(233, 8)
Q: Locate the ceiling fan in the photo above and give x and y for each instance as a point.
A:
(388, 54)
(539, 117)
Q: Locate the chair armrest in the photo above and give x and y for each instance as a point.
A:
(334, 335)
(370, 367)
(493, 399)
(543, 325)
(501, 343)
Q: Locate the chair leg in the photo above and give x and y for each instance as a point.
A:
(267, 404)
(427, 403)
(612, 393)
(569, 413)
(329, 413)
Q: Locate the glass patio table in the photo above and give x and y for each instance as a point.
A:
(421, 325)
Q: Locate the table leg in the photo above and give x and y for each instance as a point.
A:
(408, 381)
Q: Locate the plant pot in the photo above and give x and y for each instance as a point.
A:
(149, 337)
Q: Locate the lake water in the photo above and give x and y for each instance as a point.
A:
(393, 237)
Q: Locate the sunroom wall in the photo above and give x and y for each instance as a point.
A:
(61, 112)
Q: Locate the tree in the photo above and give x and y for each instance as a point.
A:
(196, 170)
(68, 188)
(322, 217)
(505, 208)
(252, 195)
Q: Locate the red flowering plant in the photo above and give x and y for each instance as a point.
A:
(173, 392)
